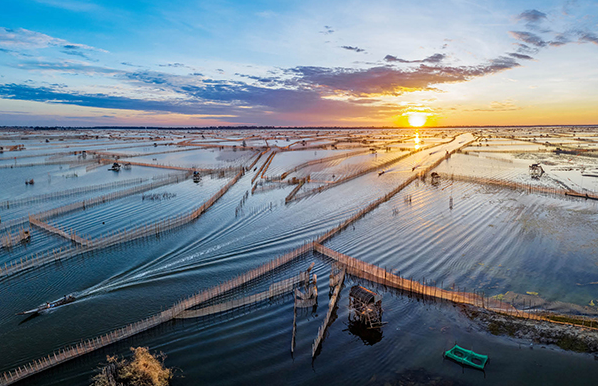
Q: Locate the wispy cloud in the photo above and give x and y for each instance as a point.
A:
(22, 39)
(327, 30)
(332, 89)
(389, 80)
(588, 37)
(507, 105)
(576, 31)
(436, 58)
(531, 16)
(50, 95)
(529, 38)
(290, 105)
(175, 65)
(73, 5)
(520, 56)
(68, 67)
(289, 91)
(351, 48)
(74, 50)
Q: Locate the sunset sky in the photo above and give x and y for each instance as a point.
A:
(299, 63)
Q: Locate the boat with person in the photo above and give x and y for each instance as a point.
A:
(466, 357)
(115, 167)
(50, 305)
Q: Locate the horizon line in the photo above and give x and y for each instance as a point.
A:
(55, 127)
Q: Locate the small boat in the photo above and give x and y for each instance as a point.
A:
(467, 357)
(127, 166)
(196, 176)
(115, 167)
(47, 306)
(381, 173)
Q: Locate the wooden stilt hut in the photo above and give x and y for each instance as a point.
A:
(366, 306)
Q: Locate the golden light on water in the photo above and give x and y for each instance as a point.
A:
(417, 140)
(417, 119)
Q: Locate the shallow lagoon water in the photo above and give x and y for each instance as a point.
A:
(493, 239)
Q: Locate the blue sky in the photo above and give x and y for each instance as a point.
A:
(345, 63)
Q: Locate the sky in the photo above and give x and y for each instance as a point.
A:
(298, 63)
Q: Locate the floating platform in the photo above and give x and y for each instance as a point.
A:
(467, 357)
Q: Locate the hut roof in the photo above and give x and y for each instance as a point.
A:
(364, 294)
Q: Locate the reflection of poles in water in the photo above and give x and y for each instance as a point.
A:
(309, 296)
(332, 307)
(451, 196)
(294, 325)
(305, 299)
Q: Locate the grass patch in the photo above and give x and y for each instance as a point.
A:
(573, 344)
(144, 369)
(573, 320)
(502, 328)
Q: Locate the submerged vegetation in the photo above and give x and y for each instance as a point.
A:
(144, 369)
(566, 336)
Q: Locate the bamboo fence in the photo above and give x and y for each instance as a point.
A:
(530, 188)
(60, 154)
(173, 167)
(69, 192)
(132, 155)
(94, 166)
(109, 197)
(162, 180)
(480, 150)
(362, 173)
(70, 352)
(276, 289)
(224, 146)
(268, 164)
(164, 225)
(259, 155)
(262, 167)
(10, 239)
(353, 176)
(322, 160)
(117, 237)
(385, 198)
(114, 238)
(289, 198)
(310, 147)
(56, 162)
(71, 234)
(331, 304)
(459, 295)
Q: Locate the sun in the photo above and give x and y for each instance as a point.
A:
(417, 119)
